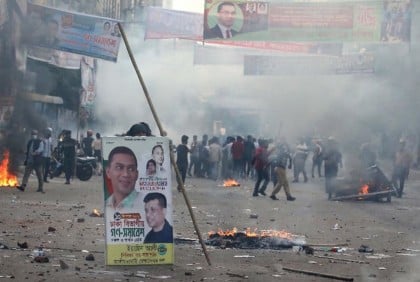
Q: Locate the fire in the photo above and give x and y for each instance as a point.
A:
(364, 189)
(230, 183)
(253, 233)
(95, 213)
(7, 178)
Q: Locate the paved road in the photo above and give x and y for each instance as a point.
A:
(391, 229)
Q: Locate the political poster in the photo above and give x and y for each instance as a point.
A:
(72, 32)
(137, 201)
(164, 23)
(349, 21)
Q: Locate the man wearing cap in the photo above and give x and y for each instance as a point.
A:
(33, 161)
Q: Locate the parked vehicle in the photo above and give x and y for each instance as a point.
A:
(84, 166)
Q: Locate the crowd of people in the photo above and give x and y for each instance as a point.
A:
(267, 160)
(262, 160)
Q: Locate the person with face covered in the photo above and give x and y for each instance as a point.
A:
(155, 208)
(122, 174)
(33, 161)
(226, 16)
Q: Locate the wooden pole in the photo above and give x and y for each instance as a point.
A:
(342, 259)
(326, 275)
(163, 133)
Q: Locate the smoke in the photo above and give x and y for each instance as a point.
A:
(23, 119)
(353, 108)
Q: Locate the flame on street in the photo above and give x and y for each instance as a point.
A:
(230, 183)
(364, 189)
(7, 178)
(253, 233)
(95, 213)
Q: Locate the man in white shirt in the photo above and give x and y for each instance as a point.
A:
(122, 173)
(46, 154)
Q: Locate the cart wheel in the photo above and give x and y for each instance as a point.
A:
(388, 198)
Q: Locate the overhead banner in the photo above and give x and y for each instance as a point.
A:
(72, 32)
(309, 65)
(218, 54)
(163, 23)
(369, 21)
(138, 201)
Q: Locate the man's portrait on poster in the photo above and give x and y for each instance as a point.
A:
(224, 20)
(122, 173)
(155, 206)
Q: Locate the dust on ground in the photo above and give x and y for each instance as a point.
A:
(61, 221)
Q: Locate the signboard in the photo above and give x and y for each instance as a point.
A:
(309, 65)
(72, 32)
(163, 23)
(251, 21)
(218, 54)
(138, 201)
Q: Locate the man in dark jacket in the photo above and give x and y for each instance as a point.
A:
(87, 144)
(68, 147)
(33, 161)
(332, 159)
(182, 159)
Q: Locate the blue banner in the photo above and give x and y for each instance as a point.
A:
(72, 32)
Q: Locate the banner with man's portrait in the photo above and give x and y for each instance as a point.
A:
(138, 201)
(72, 32)
(298, 21)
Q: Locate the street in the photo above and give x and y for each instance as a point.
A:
(61, 221)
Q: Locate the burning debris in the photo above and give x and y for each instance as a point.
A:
(96, 213)
(263, 239)
(7, 179)
(371, 184)
(231, 183)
